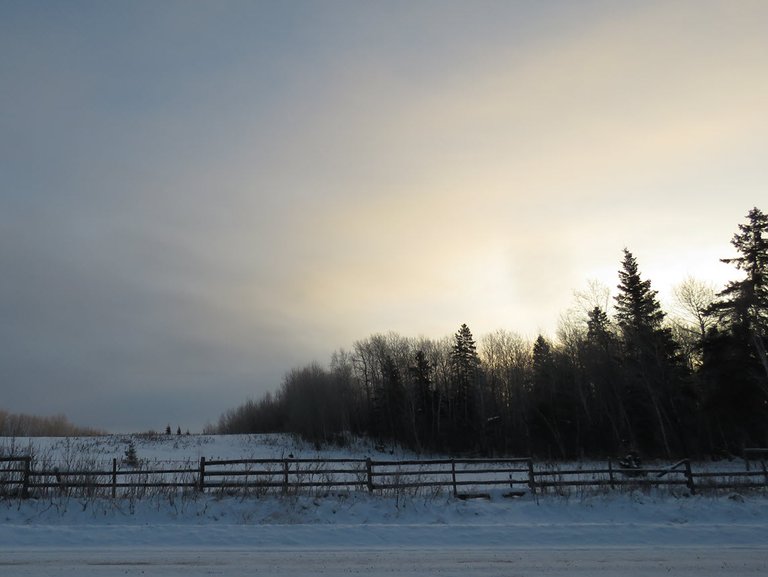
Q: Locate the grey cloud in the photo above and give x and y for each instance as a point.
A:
(196, 196)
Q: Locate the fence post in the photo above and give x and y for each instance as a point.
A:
(689, 477)
(610, 474)
(453, 476)
(114, 478)
(201, 480)
(531, 477)
(285, 476)
(25, 480)
(369, 472)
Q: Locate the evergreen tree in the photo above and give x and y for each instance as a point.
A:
(598, 328)
(638, 313)
(131, 458)
(464, 357)
(465, 368)
(423, 399)
(599, 359)
(656, 399)
(546, 421)
(742, 306)
(734, 369)
(465, 362)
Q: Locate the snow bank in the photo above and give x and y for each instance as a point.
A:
(358, 519)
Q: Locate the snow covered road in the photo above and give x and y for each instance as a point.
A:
(568, 548)
(552, 535)
(628, 562)
(626, 535)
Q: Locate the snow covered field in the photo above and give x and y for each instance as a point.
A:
(622, 533)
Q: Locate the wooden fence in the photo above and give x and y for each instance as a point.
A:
(23, 477)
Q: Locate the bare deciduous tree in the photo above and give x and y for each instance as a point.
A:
(692, 299)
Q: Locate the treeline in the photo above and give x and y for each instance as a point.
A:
(20, 425)
(630, 378)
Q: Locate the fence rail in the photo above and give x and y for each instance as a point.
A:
(23, 477)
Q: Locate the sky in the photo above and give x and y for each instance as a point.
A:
(196, 197)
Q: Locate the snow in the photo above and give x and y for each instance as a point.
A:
(377, 563)
(628, 533)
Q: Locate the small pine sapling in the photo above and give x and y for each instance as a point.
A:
(131, 459)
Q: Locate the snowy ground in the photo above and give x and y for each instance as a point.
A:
(637, 533)
(691, 562)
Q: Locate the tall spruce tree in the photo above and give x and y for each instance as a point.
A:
(657, 402)
(465, 361)
(734, 369)
(465, 368)
(742, 306)
(638, 312)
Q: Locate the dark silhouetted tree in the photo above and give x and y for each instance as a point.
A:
(545, 425)
(392, 398)
(742, 306)
(657, 401)
(605, 381)
(465, 373)
(423, 401)
(735, 369)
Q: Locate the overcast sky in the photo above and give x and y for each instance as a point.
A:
(197, 196)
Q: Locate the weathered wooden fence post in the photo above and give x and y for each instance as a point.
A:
(25, 481)
(369, 472)
(201, 480)
(453, 477)
(689, 477)
(610, 474)
(531, 477)
(285, 476)
(114, 478)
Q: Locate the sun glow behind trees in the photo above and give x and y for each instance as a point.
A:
(631, 380)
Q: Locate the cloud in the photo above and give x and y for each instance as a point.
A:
(196, 198)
